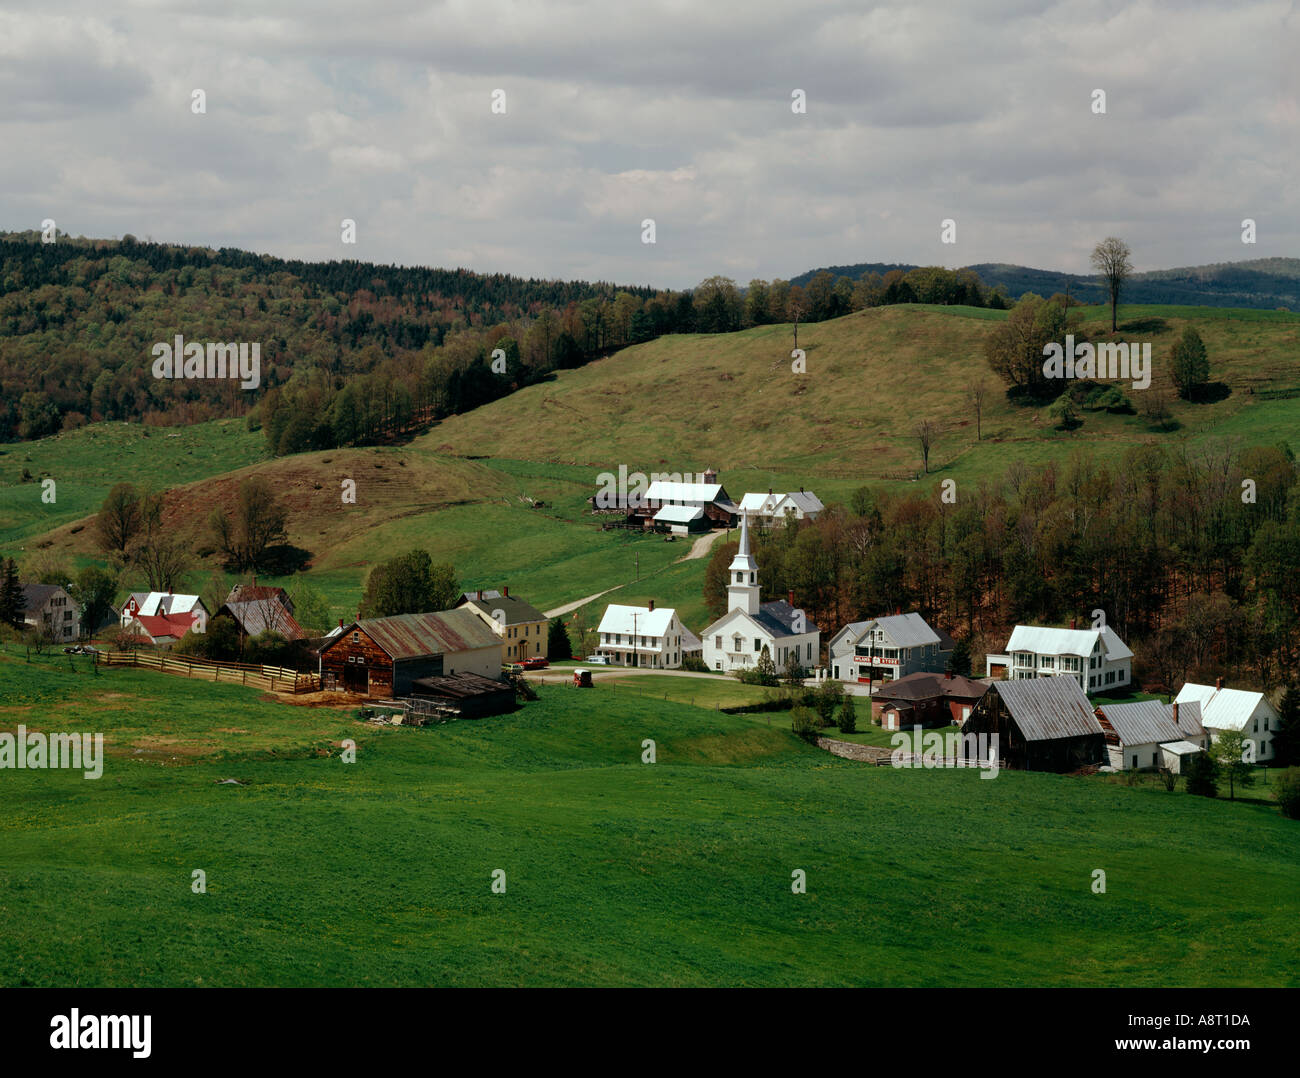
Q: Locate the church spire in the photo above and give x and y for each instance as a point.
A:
(742, 575)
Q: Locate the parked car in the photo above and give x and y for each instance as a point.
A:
(514, 668)
(535, 663)
(596, 660)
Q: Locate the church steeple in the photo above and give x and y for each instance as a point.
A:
(742, 576)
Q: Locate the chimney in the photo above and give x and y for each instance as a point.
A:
(1218, 683)
(505, 590)
(769, 491)
(652, 604)
(254, 580)
(479, 593)
(340, 623)
(790, 597)
(1175, 712)
(1074, 622)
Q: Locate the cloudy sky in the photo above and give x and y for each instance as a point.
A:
(917, 111)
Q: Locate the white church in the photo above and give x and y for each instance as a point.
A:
(736, 640)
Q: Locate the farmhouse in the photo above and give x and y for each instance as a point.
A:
(165, 604)
(385, 656)
(521, 626)
(1096, 658)
(642, 636)
(52, 611)
(161, 630)
(1234, 709)
(1146, 734)
(1044, 724)
(768, 509)
(926, 699)
(259, 609)
(888, 648)
(737, 639)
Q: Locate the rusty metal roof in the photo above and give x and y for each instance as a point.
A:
(415, 636)
(1048, 708)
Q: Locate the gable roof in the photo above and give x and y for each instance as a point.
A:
(1048, 708)
(660, 491)
(1189, 718)
(1221, 709)
(516, 611)
(679, 514)
(416, 636)
(246, 593)
(1143, 722)
(806, 500)
(256, 616)
(152, 603)
(929, 686)
(622, 619)
(1047, 640)
(777, 617)
(37, 595)
(164, 626)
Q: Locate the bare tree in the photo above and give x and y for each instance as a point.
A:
(976, 393)
(1111, 258)
(119, 520)
(926, 433)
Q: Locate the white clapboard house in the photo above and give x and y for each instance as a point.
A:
(737, 639)
(1235, 709)
(1149, 734)
(643, 636)
(772, 508)
(888, 648)
(1096, 658)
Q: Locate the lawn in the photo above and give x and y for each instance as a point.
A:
(379, 872)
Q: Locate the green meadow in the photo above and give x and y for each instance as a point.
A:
(617, 872)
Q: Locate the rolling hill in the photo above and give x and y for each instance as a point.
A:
(1262, 283)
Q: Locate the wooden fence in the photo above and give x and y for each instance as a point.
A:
(272, 678)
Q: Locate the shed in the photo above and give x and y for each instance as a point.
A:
(1041, 724)
(469, 695)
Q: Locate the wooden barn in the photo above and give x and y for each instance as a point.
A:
(384, 656)
(1041, 724)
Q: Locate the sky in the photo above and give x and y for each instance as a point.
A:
(679, 112)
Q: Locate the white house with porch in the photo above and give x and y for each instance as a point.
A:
(642, 636)
(1096, 658)
(737, 639)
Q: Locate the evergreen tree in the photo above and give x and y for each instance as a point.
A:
(1202, 775)
(11, 595)
(960, 660)
(1189, 364)
(558, 645)
(848, 715)
(766, 668)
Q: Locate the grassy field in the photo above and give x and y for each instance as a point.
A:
(677, 873)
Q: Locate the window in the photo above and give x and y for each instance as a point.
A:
(356, 638)
(758, 644)
(718, 665)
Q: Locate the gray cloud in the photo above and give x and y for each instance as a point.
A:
(917, 111)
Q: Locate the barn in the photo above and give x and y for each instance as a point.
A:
(1041, 724)
(384, 656)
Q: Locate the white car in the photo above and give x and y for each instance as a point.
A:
(596, 660)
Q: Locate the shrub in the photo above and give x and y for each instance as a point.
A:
(1287, 788)
(805, 723)
(827, 698)
(848, 716)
